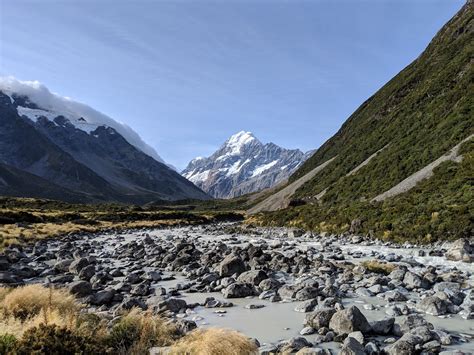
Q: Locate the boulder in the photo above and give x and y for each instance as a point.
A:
(409, 322)
(253, 277)
(172, 304)
(352, 347)
(450, 287)
(294, 344)
(306, 306)
(232, 264)
(468, 306)
(238, 290)
(9, 278)
(269, 284)
(306, 293)
(103, 297)
(460, 250)
(141, 289)
(400, 347)
(80, 288)
(433, 305)
(395, 296)
(412, 280)
(313, 351)
(320, 318)
(287, 291)
(78, 264)
(349, 320)
(382, 327)
(87, 272)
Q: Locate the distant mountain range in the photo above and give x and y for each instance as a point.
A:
(242, 165)
(54, 147)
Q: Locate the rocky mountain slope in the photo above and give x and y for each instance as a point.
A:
(242, 165)
(76, 153)
(422, 114)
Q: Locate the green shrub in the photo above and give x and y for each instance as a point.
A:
(52, 340)
(7, 343)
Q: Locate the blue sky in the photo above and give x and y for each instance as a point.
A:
(188, 74)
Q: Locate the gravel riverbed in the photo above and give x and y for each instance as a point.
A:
(290, 291)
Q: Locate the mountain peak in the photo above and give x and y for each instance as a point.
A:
(242, 165)
(238, 140)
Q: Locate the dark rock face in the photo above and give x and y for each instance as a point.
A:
(243, 165)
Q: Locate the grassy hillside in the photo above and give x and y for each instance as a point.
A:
(416, 117)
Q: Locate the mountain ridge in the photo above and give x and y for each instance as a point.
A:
(415, 119)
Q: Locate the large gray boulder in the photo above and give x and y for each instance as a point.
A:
(238, 290)
(383, 326)
(78, 264)
(349, 320)
(269, 284)
(103, 297)
(172, 304)
(294, 344)
(80, 288)
(232, 264)
(320, 318)
(307, 293)
(409, 322)
(412, 280)
(253, 277)
(433, 305)
(460, 250)
(352, 347)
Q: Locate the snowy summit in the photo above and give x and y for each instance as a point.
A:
(243, 164)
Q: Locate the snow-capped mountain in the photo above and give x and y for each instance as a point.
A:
(42, 102)
(67, 150)
(242, 165)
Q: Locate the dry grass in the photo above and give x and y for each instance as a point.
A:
(378, 267)
(13, 234)
(28, 301)
(25, 307)
(28, 307)
(214, 341)
(138, 331)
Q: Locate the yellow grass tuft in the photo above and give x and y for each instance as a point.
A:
(214, 341)
(28, 301)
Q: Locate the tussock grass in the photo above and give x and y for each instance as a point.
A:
(214, 341)
(378, 267)
(138, 331)
(28, 301)
(29, 306)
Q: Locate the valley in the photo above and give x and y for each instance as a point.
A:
(358, 242)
